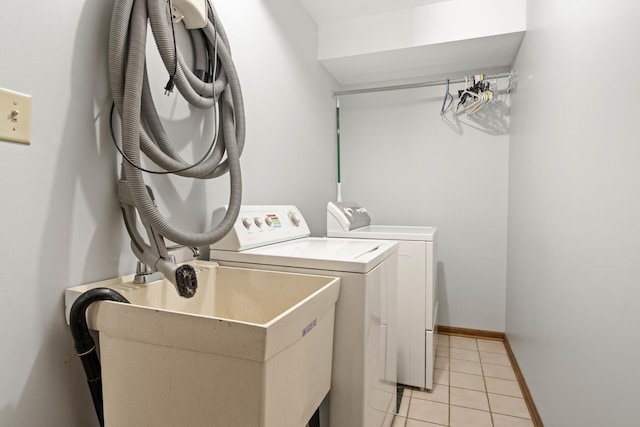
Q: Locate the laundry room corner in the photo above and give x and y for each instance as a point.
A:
(409, 166)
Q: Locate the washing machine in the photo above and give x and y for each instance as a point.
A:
(364, 368)
(417, 286)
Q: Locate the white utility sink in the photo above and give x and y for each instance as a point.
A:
(251, 348)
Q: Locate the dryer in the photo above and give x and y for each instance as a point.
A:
(417, 286)
(364, 370)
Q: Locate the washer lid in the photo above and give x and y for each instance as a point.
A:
(389, 232)
(320, 253)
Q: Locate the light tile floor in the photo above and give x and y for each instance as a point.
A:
(475, 386)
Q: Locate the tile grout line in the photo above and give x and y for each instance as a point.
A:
(449, 383)
(486, 393)
(406, 419)
(484, 382)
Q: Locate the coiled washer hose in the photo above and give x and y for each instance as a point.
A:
(84, 344)
(140, 125)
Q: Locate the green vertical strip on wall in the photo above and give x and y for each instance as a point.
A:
(338, 134)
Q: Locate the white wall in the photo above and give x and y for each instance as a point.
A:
(59, 220)
(409, 167)
(574, 210)
(289, 158)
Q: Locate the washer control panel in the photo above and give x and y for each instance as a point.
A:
(346, 216)
(260, 225)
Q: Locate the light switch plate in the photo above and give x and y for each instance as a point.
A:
(15, 117)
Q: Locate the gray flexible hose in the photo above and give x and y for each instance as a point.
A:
(141, 127)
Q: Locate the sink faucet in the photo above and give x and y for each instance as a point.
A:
(195, 251)
(155, 261)
(146, 274)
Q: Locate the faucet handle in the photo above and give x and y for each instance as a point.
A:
(195, 251)
(146, 274)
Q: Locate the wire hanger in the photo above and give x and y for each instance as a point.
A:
(447, 96)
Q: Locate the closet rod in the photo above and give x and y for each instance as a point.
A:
(416, 85)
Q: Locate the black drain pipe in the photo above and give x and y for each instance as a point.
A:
(84, 344)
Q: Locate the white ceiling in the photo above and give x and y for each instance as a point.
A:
(337, 10)
(490, 55)
(419, 43)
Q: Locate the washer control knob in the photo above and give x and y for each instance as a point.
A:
(246, 222)
(349, 212)
(268, 221)
(258, 221)
(295, 219)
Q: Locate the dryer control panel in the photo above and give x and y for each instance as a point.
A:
(346, 216)
(260, 225)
